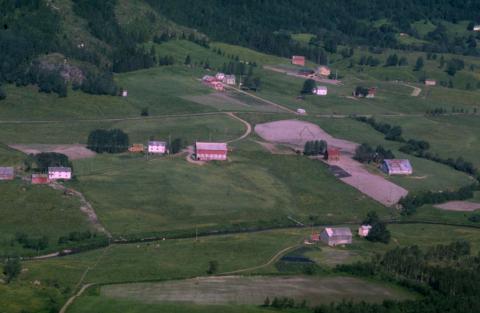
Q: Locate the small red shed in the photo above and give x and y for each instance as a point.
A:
(298, 60)
(333, 154)
(40, 179)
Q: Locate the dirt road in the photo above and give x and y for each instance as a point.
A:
(294, 73)
(248, 129)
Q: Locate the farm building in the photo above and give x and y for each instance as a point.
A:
(207, 151)
(298, 60)
(229, 80)
(333, 154)
(315, 237)
(371, 92)
(55, 173)
(301, 111)
(40, 179)
(476, 28)
(430, 82)
(397, 167)
(136, 148)
(364, 230)
(212, 82)
(320, 91)
(220, 76)
(7, 173)
(124, 93)
(336, 236)
(158, 147)
(324, 71)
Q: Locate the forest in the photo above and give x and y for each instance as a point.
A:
(332, 22)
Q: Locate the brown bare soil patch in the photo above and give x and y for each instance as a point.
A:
(461, 206)
(74, 151)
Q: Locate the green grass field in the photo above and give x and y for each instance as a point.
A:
(36, 211)
(132, 195)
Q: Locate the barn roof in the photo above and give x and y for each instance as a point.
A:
(398, 165)
(211, 145)
(157, 143)
(338, 231)
(322, 88)
(60, 169)
(6, 171)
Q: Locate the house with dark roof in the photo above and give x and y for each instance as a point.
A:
(7, 173)
(334, 236)
(397, 167)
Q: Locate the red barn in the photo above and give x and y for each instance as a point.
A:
(298, 60)
(333, 154)
(207, 151)
(40, 179)
(314, 237)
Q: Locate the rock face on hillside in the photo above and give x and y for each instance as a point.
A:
(58, 63)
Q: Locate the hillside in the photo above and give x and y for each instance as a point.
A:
(114, 207)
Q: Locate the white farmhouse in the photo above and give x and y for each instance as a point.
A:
(220, 76)
(159, 147)
(55, 173)
(320, 91)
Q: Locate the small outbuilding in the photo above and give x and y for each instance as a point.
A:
(324, 71)
(430, 82)
(301, 111)
(7, 173)
(476, 28)
(125, 93)
(364, 230)
(397, 167)
(333, 154)
(55, 173)
(372, 92)
(136, 148)
(298, 60)
(40, 179)
(336, 236)
(320, 91)
(157, 147)
(220, 76)
(209, 151)
(229, 80)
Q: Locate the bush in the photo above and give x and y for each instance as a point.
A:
(45, 160)
(109, 141)
(12, 268)
(3, 94)
(308, 86)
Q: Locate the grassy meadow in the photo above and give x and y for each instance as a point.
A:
(133, 195)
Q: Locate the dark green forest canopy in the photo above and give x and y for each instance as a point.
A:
(252, 23)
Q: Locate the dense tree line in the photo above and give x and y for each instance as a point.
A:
(108, 141)
(393, 133)
(366, 154)
(42, 161)
(379, 231)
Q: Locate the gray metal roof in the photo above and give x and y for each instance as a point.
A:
(157, 143)
(60, 169)
(338, 231)
(6, 171)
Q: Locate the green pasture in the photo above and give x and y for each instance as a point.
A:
(36, 211)
(205, 127)
(134, 195)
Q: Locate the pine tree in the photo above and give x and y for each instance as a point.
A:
(188, 60)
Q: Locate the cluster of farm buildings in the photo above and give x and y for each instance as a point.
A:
(337, 236)
(204, 151)
(219, 81)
